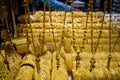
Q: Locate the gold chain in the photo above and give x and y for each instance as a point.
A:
(92, 61)
(110, 25)
(52, 25)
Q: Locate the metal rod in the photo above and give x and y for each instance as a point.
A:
(10, 39)
(61, 44)
(27, 27)
(100, 30)
(110, 30)
(33, 7)
(85, 29)
(43, 37)
(92, 61)
(52, 25)
(110, 26)
(91, 3)
(28, 15)
(14, 23)
(6, 22)
(73, 32)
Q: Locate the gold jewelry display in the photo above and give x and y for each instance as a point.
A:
(56, 44)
